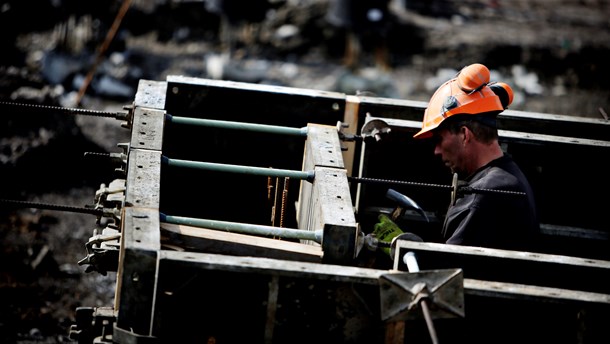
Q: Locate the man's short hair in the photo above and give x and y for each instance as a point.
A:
(483, 126)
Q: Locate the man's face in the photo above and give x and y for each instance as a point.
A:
(450, 148)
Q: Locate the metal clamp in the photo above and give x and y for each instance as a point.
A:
(401, 292)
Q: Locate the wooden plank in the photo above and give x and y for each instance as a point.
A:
(531, 292)
(549, 270)
(350, 124)
(197, 239)
(574, 232)
(367, 276)
(268, 266)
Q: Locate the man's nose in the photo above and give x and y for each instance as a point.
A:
(437, 149)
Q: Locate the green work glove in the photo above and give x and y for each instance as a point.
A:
(386, 230)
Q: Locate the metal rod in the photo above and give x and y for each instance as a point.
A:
(429, 322)
(269, 129)
(301, 175)
(274, 207)
(288, 233)
(461, 189)
(71, 111)
(284, 200)
(411, 261)
(36, 205)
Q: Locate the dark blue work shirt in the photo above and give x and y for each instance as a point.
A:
(495, 220)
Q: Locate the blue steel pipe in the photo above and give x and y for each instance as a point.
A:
(287, 233)
(269, 129)
(260, 171)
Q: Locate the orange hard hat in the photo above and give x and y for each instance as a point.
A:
(466, 94)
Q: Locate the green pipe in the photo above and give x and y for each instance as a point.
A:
(270, 129)
(270, 172)
(287, 233)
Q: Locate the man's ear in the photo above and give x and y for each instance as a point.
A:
(466, 133)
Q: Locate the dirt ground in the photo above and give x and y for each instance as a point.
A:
(554, 53)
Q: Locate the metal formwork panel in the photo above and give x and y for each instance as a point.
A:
(180, 283)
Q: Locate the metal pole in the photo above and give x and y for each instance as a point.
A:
(288, 233)
(269, 129)
(47, 206)
(300, 175)
(412, 265)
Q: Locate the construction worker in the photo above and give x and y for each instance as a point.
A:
(461, 119)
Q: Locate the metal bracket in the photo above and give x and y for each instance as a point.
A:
(93, 325)
(121, 159)
(126, 116)
(128, 337)
(375, 128)
(110, 199)
(103, 252)
(401, 293)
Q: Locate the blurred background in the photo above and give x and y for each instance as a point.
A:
(92, 54)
